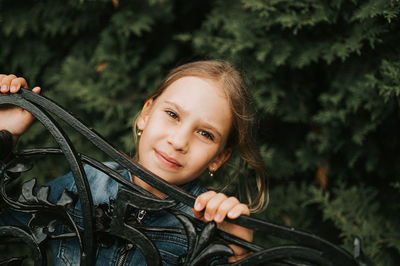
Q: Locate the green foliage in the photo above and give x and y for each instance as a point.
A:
(325, 76)
(364, 217)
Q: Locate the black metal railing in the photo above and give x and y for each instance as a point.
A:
(204, 240)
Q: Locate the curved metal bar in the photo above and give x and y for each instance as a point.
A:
(17, 233)
(6, 142)
(76, 168)
(330, 251)
(313, 244)
(182, 196)
(39, 206)
(289, 253)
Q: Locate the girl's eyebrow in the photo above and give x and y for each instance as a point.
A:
(205, 123)
(178, 107)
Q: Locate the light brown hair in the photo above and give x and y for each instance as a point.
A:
(241, 135)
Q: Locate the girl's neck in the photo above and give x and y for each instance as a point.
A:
(147, 187)
(143, 184)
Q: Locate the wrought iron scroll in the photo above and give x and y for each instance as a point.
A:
(204, 240)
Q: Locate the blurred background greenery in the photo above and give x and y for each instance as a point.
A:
(325, 75)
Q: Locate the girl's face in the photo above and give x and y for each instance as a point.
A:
(185, 130)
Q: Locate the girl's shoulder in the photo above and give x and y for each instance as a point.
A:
(194, 188)
(102, 186)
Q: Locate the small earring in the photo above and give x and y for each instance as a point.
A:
(211, 172)
(139, 133)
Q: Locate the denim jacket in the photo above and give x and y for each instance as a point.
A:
(66, 252)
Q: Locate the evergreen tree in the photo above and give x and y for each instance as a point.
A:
(325, 75)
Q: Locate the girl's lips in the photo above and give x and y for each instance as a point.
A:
(166, 160)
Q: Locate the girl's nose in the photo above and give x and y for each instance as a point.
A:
(179, 139)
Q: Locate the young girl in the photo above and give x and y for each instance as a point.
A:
(193, 122)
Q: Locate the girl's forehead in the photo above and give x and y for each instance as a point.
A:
(191, 85)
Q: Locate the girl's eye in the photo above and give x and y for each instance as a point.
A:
(172, 114)
(206, 134)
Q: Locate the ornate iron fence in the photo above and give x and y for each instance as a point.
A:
(203, 239)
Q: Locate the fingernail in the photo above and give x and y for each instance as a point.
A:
(218, 218)
(197, 206)
(3, 88)
(233, 214)
(13, 88)
(207, 217)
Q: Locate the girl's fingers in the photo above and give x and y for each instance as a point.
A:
(201, 201)
(5, 83)
(197, 214)
(218, 206)
(213, 205)
(10, 83)
(210, 201)
(37, 90)
(226, 206)
(17, 83)
(237, 210)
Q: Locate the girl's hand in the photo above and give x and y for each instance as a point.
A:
(216, 207)
(13, 118)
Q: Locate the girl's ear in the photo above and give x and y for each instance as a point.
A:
(220, 160)
(144, 114)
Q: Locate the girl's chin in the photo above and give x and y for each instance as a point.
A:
(173, 175)
(173, 178)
